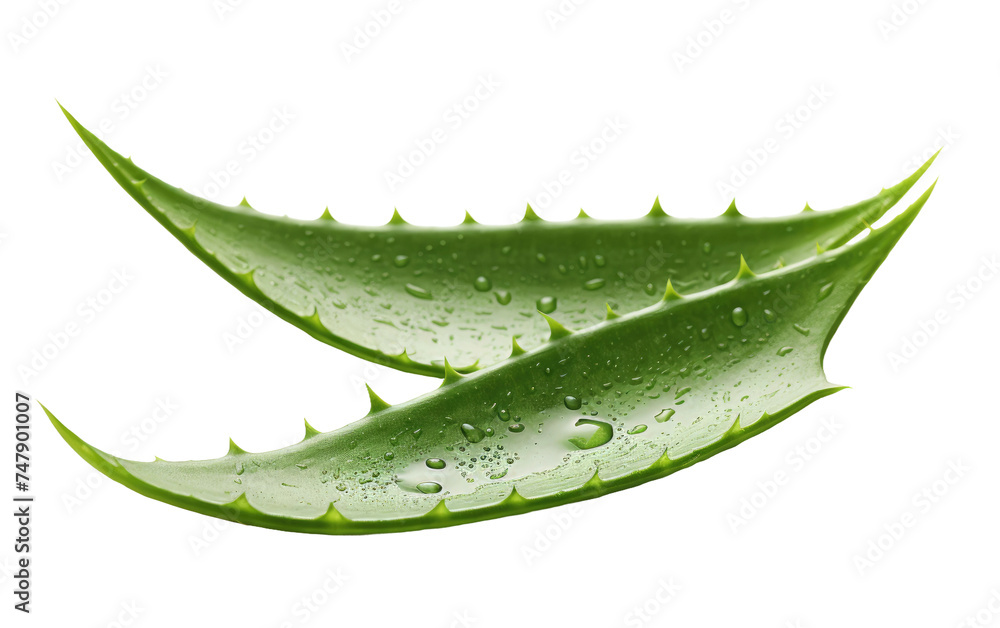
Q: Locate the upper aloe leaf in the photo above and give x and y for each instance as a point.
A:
(628, 400)
(407, 296)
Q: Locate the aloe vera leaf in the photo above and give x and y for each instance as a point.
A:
(407, 296)
(629, 400)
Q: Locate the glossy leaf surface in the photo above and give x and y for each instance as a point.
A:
(631, 399)
(408, 296)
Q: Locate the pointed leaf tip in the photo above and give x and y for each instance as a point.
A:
(734, 429)
(556, 329)
(744, 272)
(468, 220)
(234, 449)
(450, 374)
(582, 215)
(245, 203)
(529, 214)
(516, 349)
(377, 404)
(611, 314)
(310, 430)
(732, 211)
(657, 210)
(670, 294)
(326, 215)
(396, 219)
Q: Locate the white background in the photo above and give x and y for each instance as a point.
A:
(202, 80)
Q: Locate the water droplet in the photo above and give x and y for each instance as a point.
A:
(515, 427)
(540, 257)
(436, 463)
(599, 261)
(573, 403)
(417, 291)
(638, 429)
(665, 415)
(546, 305)
(784, 351)
(482, 284)
(739, 317)
(389, 455)
(707, 248)
(429, 487)
(770, 316)
(472, 433)
(594, 284)
(401, 260)
(503, 297)
(799, 328)
(601, 435)
(825, 291)
(504, 415)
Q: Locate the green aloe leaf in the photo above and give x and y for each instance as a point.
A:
(408, 296)
(634, 398)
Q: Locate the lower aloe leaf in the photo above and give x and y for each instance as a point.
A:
(408, 296)
(626, 401)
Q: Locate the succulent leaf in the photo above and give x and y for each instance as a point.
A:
(408, 296)
(614, 405)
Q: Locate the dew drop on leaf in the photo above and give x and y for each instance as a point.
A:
(472, 433)
(482, 284)
(739, 317)
(429, 487)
